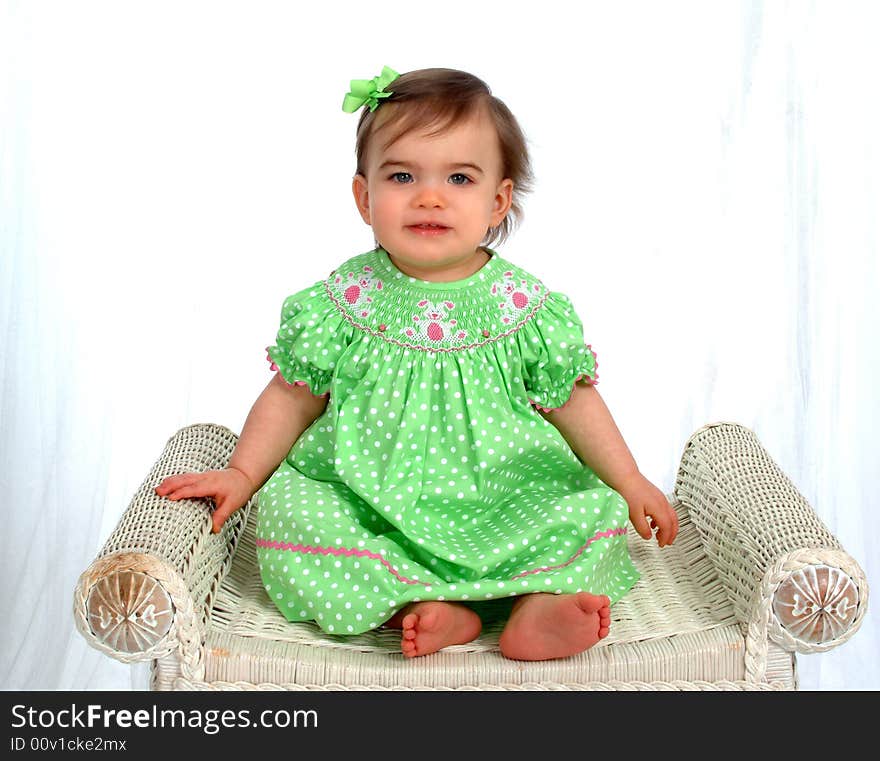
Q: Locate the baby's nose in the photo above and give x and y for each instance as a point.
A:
(430, 194)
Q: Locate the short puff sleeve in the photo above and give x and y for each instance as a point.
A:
(311, 339)
(555, 356)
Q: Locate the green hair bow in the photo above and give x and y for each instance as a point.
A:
(369, 91)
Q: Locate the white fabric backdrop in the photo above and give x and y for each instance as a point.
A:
(169, 171)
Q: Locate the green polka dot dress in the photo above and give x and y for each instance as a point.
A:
(431, 475)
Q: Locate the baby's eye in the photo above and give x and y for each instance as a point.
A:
(407, 175)
(459, 179)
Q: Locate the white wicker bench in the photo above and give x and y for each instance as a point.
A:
(753, 578)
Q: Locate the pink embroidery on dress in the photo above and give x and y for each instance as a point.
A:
(422, 347)
(516, 295)
(354, 289)
(433, 323)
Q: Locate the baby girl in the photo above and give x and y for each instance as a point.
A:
(432, 437)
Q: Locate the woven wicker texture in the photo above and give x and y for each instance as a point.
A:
(172, 543)
(759, 530)
(674, 686)
(747, 510)
(180, 532)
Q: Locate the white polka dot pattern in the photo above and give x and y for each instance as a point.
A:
(430, 474)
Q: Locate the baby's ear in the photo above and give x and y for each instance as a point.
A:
(503, 201)
(361, 196)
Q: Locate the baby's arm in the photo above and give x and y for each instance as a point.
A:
(586, 424)
(277, 419)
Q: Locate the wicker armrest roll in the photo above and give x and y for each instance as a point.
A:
(151, 587)
(782, 569)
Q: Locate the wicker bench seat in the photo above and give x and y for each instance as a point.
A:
(753, 578)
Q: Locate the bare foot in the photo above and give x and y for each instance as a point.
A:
(544, 626)
(431, 625)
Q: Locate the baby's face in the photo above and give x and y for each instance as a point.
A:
(451, 180)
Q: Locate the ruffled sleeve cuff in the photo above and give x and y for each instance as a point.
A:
(554, 397)
(290, 372)
(555, 355)
(310, 341)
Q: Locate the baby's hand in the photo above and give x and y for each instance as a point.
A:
(229, 488)
(649, 509)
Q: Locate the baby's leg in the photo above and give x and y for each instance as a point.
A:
(433, 624)
(544, 626)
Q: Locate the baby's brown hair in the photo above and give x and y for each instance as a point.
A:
(446, 97)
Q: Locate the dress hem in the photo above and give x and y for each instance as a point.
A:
(350, 551)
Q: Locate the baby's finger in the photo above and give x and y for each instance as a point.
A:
(220, 514)
(198, 489)
(666, 532)
(640, 524)
(174, 482)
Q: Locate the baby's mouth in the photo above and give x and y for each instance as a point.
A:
(427, 229)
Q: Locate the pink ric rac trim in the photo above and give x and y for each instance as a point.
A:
(275, 368)
(587, 378)
(601, 535)
(349, 552)
(338, 551)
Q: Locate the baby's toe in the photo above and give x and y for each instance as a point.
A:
(429, 620)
